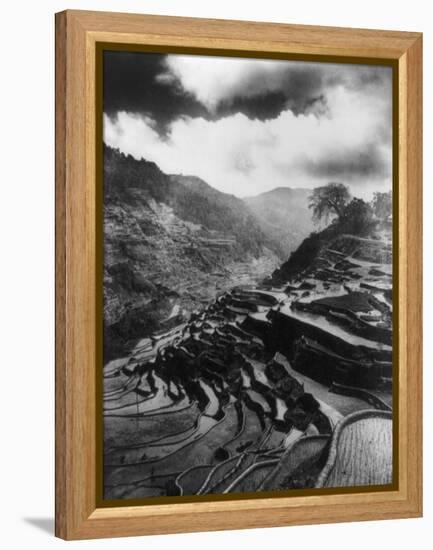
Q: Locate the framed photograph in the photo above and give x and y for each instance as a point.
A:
(238, 274)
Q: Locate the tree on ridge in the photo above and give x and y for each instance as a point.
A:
(328, 200)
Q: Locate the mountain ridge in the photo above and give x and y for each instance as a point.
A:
(167, 243)
(284, 215)
(278, 190)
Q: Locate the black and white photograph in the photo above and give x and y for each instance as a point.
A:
(247, 275)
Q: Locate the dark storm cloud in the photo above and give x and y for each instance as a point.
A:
(131, 85)
(262, 89)
(262, 107)
(138, 83)
(270, 105)
(303, 88)
(366, 162)
(164, 88)
(246, 126)
(299, 89)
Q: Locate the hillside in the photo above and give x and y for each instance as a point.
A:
(170, 244)
(283, 215)
(196, 201)
(252, 392)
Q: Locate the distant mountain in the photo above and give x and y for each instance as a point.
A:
(283, 215)
(196, 201)
(171, 243)
(191, 199)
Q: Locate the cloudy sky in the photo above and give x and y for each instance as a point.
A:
(247, 126)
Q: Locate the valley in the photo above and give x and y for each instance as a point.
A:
(170, 244)
(248, 282)
(253, 392)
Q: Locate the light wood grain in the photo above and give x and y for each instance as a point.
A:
(413, 290)
(241, 35)
(77, 33)
(60, 272)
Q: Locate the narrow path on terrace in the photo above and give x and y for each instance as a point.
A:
(302, 450)
(324, 324)
(343, 404)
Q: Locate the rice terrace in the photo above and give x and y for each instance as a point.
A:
(248, 308)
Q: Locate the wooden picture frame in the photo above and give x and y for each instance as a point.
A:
(78, 296)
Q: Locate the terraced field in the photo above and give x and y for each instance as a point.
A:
(361, 451)
(251, 392)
